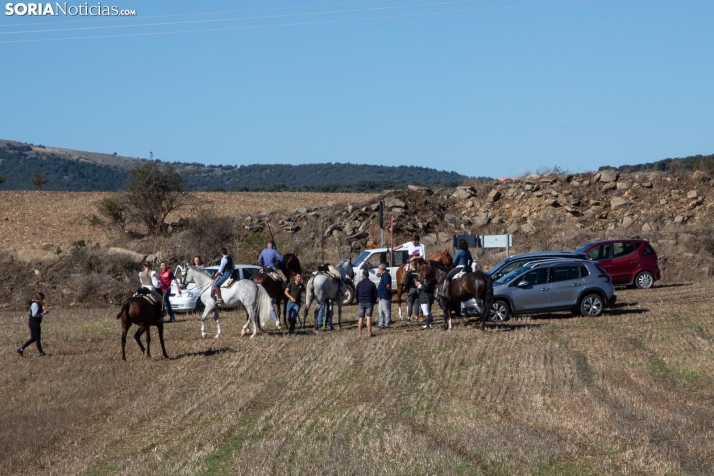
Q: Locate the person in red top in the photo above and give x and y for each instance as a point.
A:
(166, 277)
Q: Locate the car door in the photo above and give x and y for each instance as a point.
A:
(566, 284)
(373, 262)
(624, 261)
(603, 255)
(534, 295)
(247, 273)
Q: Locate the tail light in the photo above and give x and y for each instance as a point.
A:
(606, 276)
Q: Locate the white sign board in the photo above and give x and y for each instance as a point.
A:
(497, 241)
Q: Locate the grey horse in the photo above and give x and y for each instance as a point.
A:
(321, 288)
(253, 297)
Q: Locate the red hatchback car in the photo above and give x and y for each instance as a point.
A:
(629, 262)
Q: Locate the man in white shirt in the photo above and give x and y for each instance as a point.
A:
(415, 249)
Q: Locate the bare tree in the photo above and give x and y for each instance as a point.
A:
(155, 190)
(38, 180)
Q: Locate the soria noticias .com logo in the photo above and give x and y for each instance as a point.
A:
(64, 9)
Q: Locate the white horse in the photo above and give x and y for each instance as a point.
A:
(253, 297)
(322, 289)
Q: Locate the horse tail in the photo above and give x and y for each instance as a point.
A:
(125, 307)
(488, 299)
(263, 305)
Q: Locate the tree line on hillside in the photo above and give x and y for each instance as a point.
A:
(24, 169)
(329, 177)
(693, 162)
(19, 163)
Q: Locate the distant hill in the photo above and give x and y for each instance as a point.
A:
(693, 162)
(71, 170)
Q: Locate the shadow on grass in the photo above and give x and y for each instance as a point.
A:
(205, 353)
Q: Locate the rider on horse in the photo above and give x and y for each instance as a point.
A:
(415, 250)
(224, 272)
(150, 281)
(462, 262)
(269, 260)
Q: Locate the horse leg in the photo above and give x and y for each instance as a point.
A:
(339, 313)
(218, 323)
(125, 325)
(148, 341)
(137, 337)
(447, 314)
(160, 327)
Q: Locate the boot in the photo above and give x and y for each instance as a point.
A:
(219, 299)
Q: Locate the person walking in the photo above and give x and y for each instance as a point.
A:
(166, 277)
(462, 262)
(384, 293)
(426, 297)
(410, 288)
(366, 293)
(35, 319)
(294, 294)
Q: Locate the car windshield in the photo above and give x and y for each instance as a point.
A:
(583, 248)
(509, 277)
(358, 260)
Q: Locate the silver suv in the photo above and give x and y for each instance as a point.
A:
(557, 285)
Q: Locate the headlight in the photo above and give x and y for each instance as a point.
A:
(190, 294)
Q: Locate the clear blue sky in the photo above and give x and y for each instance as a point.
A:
(490, 93)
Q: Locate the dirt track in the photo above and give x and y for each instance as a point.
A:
(630, 392)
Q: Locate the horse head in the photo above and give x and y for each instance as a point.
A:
(291, 263)
(442, 257)
(346, 269)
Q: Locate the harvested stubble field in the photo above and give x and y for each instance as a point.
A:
(34, 218)
(628, 393)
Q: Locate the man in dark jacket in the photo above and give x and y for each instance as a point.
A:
(366, 293)
(384, 292)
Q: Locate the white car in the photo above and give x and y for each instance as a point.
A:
(370, 259)
(189, 299)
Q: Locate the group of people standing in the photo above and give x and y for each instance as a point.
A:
(367, 294)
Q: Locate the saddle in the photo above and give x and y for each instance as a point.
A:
(148, 296)
(335, 278)
(235, 277)
(460, 275)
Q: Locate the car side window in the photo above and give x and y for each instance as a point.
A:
(595, 252)
(400, 257)
(537, 276)
(648, 251)
(605, 251)
(584, 271)
(622, 248)
(248, 272)
(376, 258)
(565, 273)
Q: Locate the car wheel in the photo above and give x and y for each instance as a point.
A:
(592, 305)
(200, 307)
(644, 280)
(349, 296)
(499, 312)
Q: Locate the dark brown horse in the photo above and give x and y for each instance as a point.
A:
(289, 265)
(139, 311)
(476, 285)
(442, 257)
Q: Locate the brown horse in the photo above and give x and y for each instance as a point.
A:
(476, 285)
(289, 265)
(139, 311)
(442, 257)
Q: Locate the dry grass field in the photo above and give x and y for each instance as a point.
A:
(34, 218)
(631, 392)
